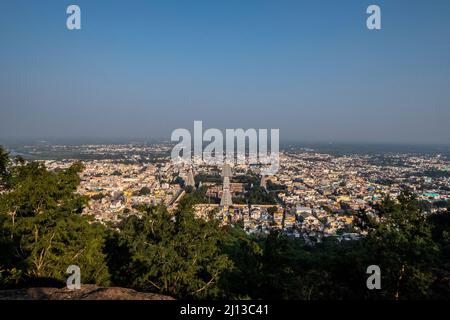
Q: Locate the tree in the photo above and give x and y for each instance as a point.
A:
(401, 244)
(440, 226)
(42, 230)
(4, 167)
(144, 191)
(244, 279)
(174, 254)
(272, 210)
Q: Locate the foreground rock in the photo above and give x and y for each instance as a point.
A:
(87, 292)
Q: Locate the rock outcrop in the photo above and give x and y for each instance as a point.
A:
(87, 292)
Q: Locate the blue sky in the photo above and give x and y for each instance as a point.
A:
(140, 69)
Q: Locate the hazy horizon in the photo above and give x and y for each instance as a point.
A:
(77, 141)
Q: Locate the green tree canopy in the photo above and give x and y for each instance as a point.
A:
(170, 253)
(401, 243)
(42, 230)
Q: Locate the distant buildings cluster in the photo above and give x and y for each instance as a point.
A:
(316, 194)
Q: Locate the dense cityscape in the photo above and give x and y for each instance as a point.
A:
(313, 195)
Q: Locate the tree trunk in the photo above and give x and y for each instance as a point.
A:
(400, 277)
